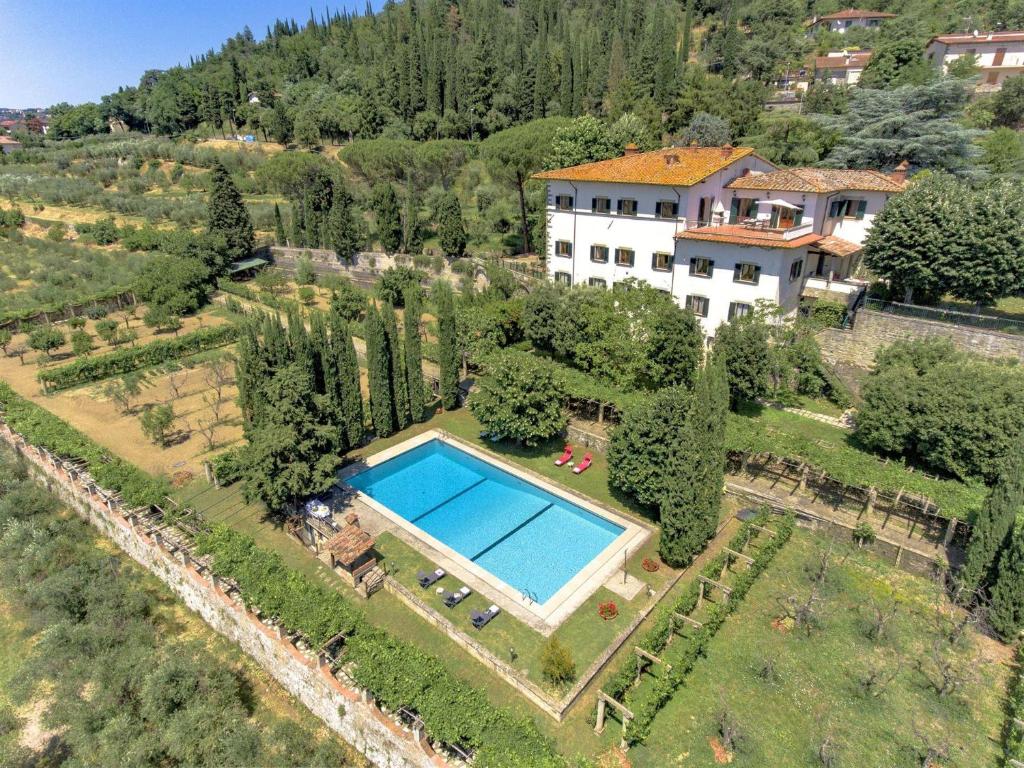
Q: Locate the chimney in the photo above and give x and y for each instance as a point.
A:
(671, 159)
(352, 519)
(631, 149)
(727, 150)
(899, 173)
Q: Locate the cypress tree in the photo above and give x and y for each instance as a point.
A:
(693, 490)
(378, 374)
(228, 215)
(298, 226)
(447, 344)
(279, 226)
(994, 525)
(389, 219)
(318, 350)
(342, 234)
(396, 368)
(450, 230)
(1007, 609)
(414, 353)
(301, 351)
(349, 393)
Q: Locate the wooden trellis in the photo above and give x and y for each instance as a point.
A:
(706, 582)
(739, 556)
(674, 621)
(603, 700)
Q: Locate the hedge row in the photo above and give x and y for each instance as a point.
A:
(88, 369)
(852, 466)
(396, 673)
(21, 315)
(1013, 733)
(696, 645)
(41, 428)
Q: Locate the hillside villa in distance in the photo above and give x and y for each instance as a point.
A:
(998, 55)
(840, 67)
(844, 20)
(718, 228)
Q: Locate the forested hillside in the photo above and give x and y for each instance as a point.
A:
(431, 68)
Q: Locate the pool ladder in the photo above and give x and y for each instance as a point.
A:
(529, 595)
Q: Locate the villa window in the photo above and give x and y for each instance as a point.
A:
(626, 207)
(563, 202)
(624, 257)
(796, 269)
(746, 273)
(742, 208)
(666, 209)
(600, 205)
(661, 262)
(563, 277)
(699, 305)
(848, 209)
(701, 267)
(738, 309)
(599, 254)
(597, 282)
(706, 210)
(563, 248)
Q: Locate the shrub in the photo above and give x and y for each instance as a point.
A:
(394, 281)
(306, 294)
(96, 313)
(556, 662)
(229, 466)
(46, 339)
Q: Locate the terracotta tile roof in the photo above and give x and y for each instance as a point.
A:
(818, 180)
(853, 13)
(671, 166)
(857, 60)
(9, 140)
(350, 544)
(991, 37)
(737, 234)
(837, 246)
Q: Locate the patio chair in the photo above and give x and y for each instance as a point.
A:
(427, 579)
(451, 599)
(480, 619)
(580, 468)
(564, 458)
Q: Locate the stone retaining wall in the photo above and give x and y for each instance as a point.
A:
(347, 710)
(873, 330)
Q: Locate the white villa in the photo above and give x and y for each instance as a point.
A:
(841, 67)
(999, 55)
(718, 228)
(843, 21)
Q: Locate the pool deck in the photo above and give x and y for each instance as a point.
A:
(543, 617)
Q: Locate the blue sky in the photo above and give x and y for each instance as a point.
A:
(78, 50)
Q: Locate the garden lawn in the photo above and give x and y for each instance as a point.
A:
(816, 689)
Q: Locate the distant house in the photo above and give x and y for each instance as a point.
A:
(845, 20)
(254, 98)
(998, 55)
(840, 67)
(117, 126)
(8, 145)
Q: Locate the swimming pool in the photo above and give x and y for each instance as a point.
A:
(531, 539)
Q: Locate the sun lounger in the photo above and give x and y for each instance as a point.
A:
(564, 457)
(580, 468)
(480, 619)
(427, 579)
(451, 599)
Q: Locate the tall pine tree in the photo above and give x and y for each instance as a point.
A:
(1006, 614)
(447, 344)
(692, 497)
(378, 372)
(414, 353)
(993, 526)
(396, 368)
(228, 215)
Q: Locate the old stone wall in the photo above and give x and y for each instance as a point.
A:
(347, 710)
(873, 330)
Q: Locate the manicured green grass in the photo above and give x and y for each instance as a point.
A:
(1011, 307)
(783, 718)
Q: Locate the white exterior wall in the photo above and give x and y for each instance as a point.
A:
(842, 25)
(984, 50)
(774, 284)
(644, 233)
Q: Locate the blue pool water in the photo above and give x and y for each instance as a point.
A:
(532, 540)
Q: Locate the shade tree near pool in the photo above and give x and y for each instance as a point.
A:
(520, 399)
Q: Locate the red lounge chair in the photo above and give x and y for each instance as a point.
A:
(564, 457)
(580, 468)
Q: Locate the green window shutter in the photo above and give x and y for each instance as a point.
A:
(693, 265)
(862, 207)
(774, 222)
(618, 205)
(833, 210)
(736, 273)
(757, 275)
(675, 209)
(734, 210)
(798, 219)
(593, 203)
